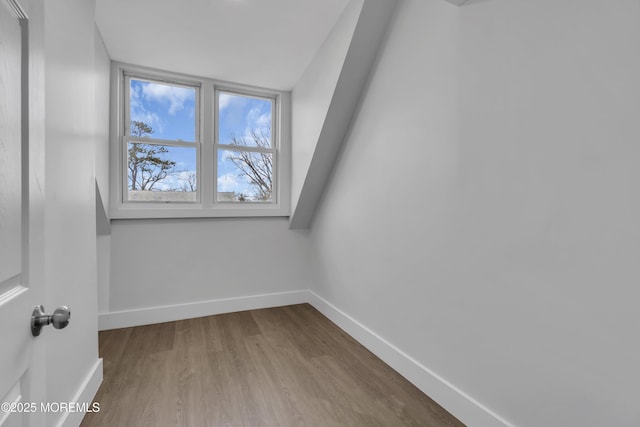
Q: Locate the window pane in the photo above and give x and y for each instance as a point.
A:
(161, 173)
(244, 176)
(162, 111)
(244, 120)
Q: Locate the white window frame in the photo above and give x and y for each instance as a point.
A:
(206, 145)
(273, 150)
(127, 138)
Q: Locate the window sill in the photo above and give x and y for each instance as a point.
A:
(206, 158)
(197, 211)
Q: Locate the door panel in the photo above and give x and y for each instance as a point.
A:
(17, 295)
(13, 398)
(10, 147)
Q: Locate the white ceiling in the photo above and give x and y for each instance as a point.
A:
(266, 43)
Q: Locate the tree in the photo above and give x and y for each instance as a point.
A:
(189, 182)
(147, 163)
(256, 166)
(140, 129)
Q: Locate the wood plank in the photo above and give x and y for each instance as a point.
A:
(286, 366)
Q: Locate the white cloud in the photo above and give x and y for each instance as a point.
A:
(224, 100)
(257, 119)
(140, 114)
(231, 182)
(134, 97)
(175, 96)
(264, 120)
(259, 122)
(228, 182)
(227, 155)
(174, 181)
(151, 119)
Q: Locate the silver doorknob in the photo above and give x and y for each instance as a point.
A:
(59, 319)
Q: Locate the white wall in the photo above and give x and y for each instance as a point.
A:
(158, 263)
(103, 248)
(70, 225)
(483, 215)
(324, 99)
(102, 92)
(312, 95)
(103, 242)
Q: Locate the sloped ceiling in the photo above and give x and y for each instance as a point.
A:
(321, 118)
(273, 44)
(255, 42)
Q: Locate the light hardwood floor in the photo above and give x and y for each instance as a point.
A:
(286, 366)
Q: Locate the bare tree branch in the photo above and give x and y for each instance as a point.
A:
(257, 167)
(147, 163)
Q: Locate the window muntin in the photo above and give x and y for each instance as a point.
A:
(245, 148)
(170, 197)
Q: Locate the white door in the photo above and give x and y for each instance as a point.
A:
(21, 258)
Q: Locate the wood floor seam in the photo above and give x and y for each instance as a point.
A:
(284, 366)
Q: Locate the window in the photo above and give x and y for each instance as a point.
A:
(162, 141)
(245, 153)
(189, 147)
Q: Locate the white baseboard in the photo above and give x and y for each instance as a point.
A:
(454, 400)
(85, 394)
(170, 313)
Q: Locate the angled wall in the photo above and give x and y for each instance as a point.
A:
(483, 214)
(324, 99)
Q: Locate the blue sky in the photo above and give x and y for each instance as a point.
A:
(171, 112)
